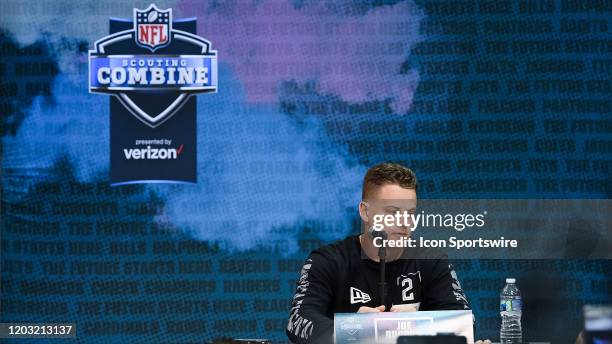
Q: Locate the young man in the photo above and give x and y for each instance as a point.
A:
(344, 276)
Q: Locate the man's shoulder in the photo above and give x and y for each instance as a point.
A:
(340, 250)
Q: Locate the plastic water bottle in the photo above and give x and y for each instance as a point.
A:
(510, 307)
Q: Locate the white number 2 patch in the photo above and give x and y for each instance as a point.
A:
(406, 288)
(406, 283)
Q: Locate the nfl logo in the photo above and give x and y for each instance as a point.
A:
(152, 27)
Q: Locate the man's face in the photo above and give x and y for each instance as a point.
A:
(385, 201)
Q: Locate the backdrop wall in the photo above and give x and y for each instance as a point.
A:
(481, 99)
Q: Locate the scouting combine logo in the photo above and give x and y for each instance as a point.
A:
(137, 79)
(152, 64)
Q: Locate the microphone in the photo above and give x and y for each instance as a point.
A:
(382, 254)
(374, 233)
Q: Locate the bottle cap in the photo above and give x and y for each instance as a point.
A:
(511, 280)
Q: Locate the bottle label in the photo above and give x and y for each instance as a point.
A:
(514, 305)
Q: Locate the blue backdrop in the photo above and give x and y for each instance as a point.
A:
(481, 99)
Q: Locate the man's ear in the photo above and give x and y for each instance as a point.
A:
(362, 212)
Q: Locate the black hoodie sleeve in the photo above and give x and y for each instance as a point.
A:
(443, 290)
(310, 317)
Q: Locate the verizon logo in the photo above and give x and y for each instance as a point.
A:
(153, 153)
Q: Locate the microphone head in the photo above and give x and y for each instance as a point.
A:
(378, 234)
(382, 249)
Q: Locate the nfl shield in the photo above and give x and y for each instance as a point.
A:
(153, 27)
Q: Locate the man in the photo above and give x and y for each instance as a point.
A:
(344, 276)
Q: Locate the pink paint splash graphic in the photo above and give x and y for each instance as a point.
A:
(354, 56)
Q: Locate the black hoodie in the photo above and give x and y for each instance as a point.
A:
(337, 279)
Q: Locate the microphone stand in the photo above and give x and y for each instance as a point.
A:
(382, 255)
